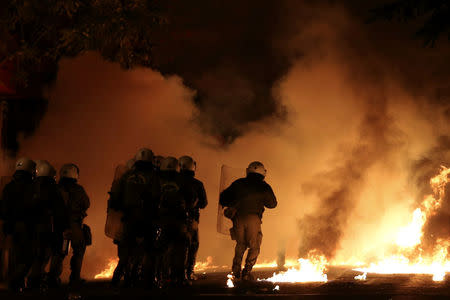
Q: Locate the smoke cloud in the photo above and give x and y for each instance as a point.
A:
(226, 53)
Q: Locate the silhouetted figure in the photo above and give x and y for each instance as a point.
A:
(195, 200)
(77, 203)
(136, 195)
(122, 269)
(51, 220)
(173, 219)
(19, 216)
(245, 200)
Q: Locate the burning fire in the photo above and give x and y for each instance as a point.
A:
(311, 269)
(361, 277)
(410, 237)
(230, 283)
(108, 272)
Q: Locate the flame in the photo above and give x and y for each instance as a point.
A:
(230, 279)
(108, 272)
(311, 269)
(361, 277)
(411, 235)
(409, 240)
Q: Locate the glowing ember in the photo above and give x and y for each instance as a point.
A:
(308, 270)
(361, 277)
(410, 237)
(276, 288)
(108, 272)
(230, 283)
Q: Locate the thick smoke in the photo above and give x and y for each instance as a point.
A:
(339, 188)
(226, 53)
(21, 118)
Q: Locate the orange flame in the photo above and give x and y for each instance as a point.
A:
(410, 238)
(311, 269)
(108, 272)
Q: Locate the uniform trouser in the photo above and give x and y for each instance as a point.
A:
(248, 233)
(130, 251)
(175, 240)
(56, 265)
(152, 255)
(122, 268)
(23, 253)
(42, 252)
(192, 248)
(78, 248)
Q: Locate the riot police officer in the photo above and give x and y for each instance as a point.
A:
(173, 220)
(136, 195)
(19, 215)
(245, 200)
(195, 201)
(77, 203)
(50, 219)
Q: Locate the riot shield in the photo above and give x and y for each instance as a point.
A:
(227, 176)
(114, 224)
(119, 172)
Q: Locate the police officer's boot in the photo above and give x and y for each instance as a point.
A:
(246, 275)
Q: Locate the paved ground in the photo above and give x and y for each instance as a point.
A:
(341, 285)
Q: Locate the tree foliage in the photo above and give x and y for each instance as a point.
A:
(36, 34)
(434, 13)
